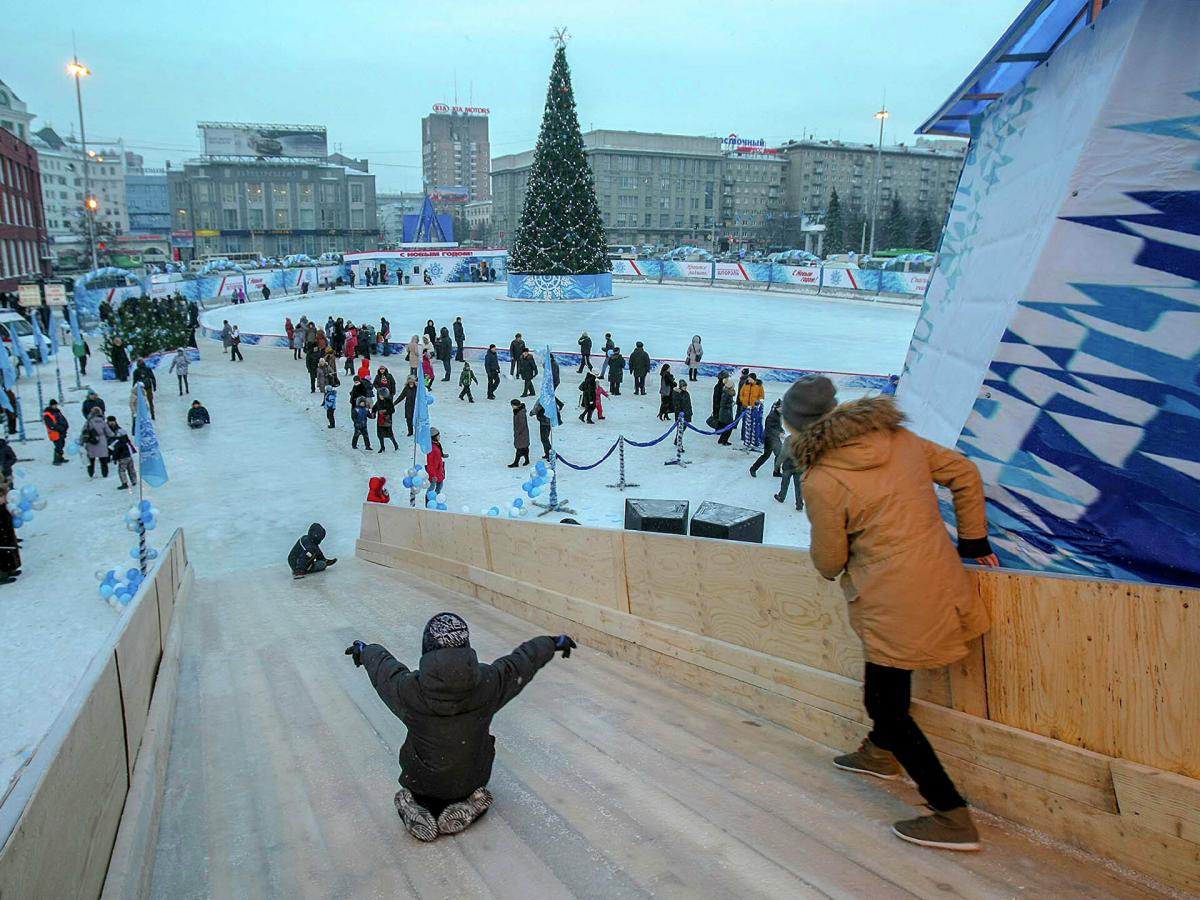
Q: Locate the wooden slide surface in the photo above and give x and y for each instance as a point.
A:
(609, 782)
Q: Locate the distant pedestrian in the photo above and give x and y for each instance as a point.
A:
(435, 462)
(608, 348)
(639, 366)
(226, 336)
(119, 359)
(725, 415)
(179, 365)
(431, 331)
(460, 338)
(616, 371)
(585, 352)
(235, 345)
(772, 440)
(465, 380)
(528, 370)
(144, 375)
(413, 355)
(330, 404)
(695, 353)
(197, 416)
(682, 401)
(666, 387)
(384, 411)
(544, 428)
(587, 398)
(516, 349)
(120, 452)
(360, 416)
(520, 434)
(491, 368)
(96, 437)
(445, 351)
(409, 396)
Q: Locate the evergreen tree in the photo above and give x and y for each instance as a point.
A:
(835, 226)
(561, 232)
(924, 236)
(150, 326)
(897, 231)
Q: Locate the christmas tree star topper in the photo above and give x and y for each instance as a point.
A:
(560, 37)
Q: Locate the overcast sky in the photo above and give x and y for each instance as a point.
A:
(370, 70)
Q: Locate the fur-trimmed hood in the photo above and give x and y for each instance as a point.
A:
(859, 428)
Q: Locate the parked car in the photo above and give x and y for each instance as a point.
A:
(14, 324)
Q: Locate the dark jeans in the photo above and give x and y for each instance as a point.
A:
(360, 433)
(103, 466)
(466, 392)
(183, 385)
(235, 353)
(725, 435)
(585, 360)
(82, 365)
(458, 357)
(329, 416)
(793, 478)
(766, 454)
(887, 693)
(529, 391)
(446, 367)
(493, 383)
(693, 374)
(522, 454)
(386, 433)
(639, 384)
(614, 388)
(58, 449)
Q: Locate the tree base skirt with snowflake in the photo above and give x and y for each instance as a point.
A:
(559, 287)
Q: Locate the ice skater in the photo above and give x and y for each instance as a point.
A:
(306, 557)
(448, 705)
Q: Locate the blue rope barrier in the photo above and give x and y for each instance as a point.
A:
(728, 427)
(571, 465)
(658, 440)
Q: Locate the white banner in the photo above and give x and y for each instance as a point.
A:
(731, 272)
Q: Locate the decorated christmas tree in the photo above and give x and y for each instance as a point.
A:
(560, 232)
(150, 326)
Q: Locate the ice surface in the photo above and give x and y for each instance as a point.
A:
(246, 487)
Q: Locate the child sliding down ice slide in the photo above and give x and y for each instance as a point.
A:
(306, 556)
(447, 706)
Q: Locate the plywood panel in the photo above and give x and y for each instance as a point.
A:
(400, 527)
(1160, 801)
(454, 536)
(767, 599)
(582, 562)
(165, 592)
(1103, 665)
(369, 529)
(138, 650)
(61, 845)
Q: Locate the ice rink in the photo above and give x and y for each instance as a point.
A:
(246, 487)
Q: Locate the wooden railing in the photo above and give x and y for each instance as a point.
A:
(1078, 713)
(59, 823)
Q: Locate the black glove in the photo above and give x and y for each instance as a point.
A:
(355, 651)
(564, 644)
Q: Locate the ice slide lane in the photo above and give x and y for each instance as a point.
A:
(609, 782)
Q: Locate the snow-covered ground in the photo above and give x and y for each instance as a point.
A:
(246, 487)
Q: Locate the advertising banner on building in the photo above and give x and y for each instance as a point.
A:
(275, 141)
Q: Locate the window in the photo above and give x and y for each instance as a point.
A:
(356, 217)
(679, 202)
(629, 181)
(664, 202)
(663, 219)
(203, 191)
(229, 193)
(356, 193)
(256, 218)
(279, 195)
(649, 219)
(254, 192)
(306, 218)
(679, 220)
(710, 167)
(649, 202)
(281, 218)
(695, 203)
(329, 193)
(230, 219)
(664, 166)
(627, 200)
(628, 163)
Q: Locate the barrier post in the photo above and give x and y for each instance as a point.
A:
(621, 482)
(553, 504)
(680, 425)
(752, 429)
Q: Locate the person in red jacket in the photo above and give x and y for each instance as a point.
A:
(377, 493)
(364, 370)
(435, 463)
(427, 368)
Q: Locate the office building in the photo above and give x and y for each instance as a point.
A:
(391, 210)
(148, 200)
(272, 207)
(23, 240)
(663, 189)
(14, 116)
(477, 216)
(456, 154)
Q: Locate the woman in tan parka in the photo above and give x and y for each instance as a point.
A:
(868, 489)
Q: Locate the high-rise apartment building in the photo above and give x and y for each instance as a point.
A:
(455, 154)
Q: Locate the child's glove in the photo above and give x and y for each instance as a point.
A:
(355, 651)
(564, 644)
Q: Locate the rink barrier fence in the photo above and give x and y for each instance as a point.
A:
(153, 361)
(1074, 715)
(395, 362)
(59, 821)
(857, 282)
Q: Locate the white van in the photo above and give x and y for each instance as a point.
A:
(13, 323)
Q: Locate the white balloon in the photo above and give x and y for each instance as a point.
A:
(466, 509)
(524, 510)
(441, 498)
(39, 504)
(513, 512)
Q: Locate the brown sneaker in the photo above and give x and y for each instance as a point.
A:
(870, 760)
(950, 830)
(416, 818)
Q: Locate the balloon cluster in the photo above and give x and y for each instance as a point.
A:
(22, 506)
(538, 478)
(119, 587)
(146, 511)
(417, 479)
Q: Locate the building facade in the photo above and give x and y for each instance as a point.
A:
(14, 116)
(455, 151)
(923, 177)
(661, 190)
(273, 207)
(148, 200)
(391, 210)
(23, 239)
(477, 216)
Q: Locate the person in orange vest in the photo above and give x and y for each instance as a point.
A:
(57, 427)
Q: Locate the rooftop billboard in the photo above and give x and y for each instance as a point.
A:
(275, 141)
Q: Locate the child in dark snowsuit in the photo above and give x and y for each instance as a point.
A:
(447, 706)
(306, 556)
(360, 415)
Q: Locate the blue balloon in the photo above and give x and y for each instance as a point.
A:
(540, 467)
(111, 576)
(518, 503)
(407, 482)
(131, 573)
(146, 506)
(29, 492)
(151, 553)
(18, 521)
(134, 553)
(106, 591)
(151, 523)
(441, 506)
(25, 505)
(27, 515)
(430, 399)
(526, 486)
(535, 492)
(431, 496)
(418, 467)
(494, 511)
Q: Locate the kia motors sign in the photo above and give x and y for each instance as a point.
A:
(461, 110)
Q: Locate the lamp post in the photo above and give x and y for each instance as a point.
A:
(78, 70)
(882, 117)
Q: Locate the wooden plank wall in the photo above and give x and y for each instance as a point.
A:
(60, 821)
(1075, 714)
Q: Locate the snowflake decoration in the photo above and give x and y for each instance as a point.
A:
(548, 287)
(434, 269)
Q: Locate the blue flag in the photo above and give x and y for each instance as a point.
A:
(22, 355)
(54, 329)
(7, 372)
(76, 334)
(546, 398)
(39, 339)
(424, 438)
(153, 467)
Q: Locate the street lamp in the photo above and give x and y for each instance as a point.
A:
(882, 117)
(78, 71)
